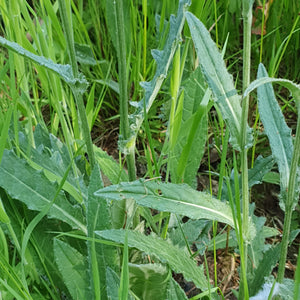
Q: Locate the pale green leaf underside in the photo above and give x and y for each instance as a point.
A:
(30, 186)
(293, 87)
(218, 79)
(64, 71)
(177, 259)
(176, 198)
(279, 134)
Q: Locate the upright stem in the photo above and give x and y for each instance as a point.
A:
(247, 21)
(121, 52)
(289, 204)
(67, 26)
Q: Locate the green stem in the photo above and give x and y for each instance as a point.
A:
(289, 204)
(67, 26)
(121, 53)
(247, 18)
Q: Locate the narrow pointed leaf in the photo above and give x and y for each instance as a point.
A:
(176, 198)
(218, 79)
(279, 134)
(293, 87)
(64, 71)
(177, 259)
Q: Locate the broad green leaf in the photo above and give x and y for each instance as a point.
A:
(177, 259)
(191, 230)
(30, 186)
(176, 198)
(163, 59)
(149, 281)
(175, 292)
(261, 166)
(189, 146)
(98, 218)
(52, 157)
(72, 265)
(64, 71)
(219, 80)
(84, 54)
(279, 134)
(109, 166)
(264, 269)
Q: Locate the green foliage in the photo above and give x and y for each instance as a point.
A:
(218, 79)
(177, 259)
(172, 198)
(64, 231)
(72, 265)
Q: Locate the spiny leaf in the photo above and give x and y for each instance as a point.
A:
(279, 134)
(176, 198)
(218, 79)
(72, 266)
(24, 183)
(177, 259)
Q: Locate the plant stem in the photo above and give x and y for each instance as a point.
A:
(247, 18)
(121, 52)
(289, 204)
(67, 26)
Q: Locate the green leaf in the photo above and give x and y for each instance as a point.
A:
(175, 292)
(176, 198)
(109, 166)
(279, 134)
(124, 280)
(72, 266)
(190, 143)
(149, 281)
(261, 166)
(98, 218)
(110, 11)
(264, 269)
(293, 87)
(113, 283)
(52, 157)
(64, 71)
(218, 79)
(177, 259)
(24, 183)
(84, 54)
(163, 59)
